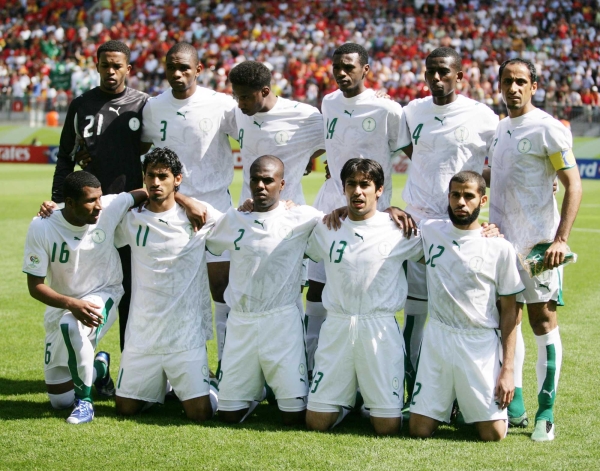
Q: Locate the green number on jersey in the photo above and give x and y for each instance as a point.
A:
(163, 130)
(316, 382)
(48, 354)
(139, 233)
(343, 244)
(241, 231)
(417, 391)
(241, 138)
(63, 257)
(417, 133)
(330, 128)
(432, 258)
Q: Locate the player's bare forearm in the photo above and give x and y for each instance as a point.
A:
(196, 212)
(139, 196)
(555, 255)
(505, 384)
(487, 175)
(84, 311)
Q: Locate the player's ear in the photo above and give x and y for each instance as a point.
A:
(178, 179)
(533, 88)
(459, 76)
(366, 69)
(199, 68)
(379, 191)
(483, 201)
(265, 92)
(282, 184)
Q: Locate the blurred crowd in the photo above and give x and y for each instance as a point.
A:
(47, 47)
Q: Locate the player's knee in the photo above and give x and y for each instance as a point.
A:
(62, 401)
(318, 421)
(492, 432)
(71, 323)
(128, 407)
(199, 409)
(418, 428)
(384, 422)
(232, 416)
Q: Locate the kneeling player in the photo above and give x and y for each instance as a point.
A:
(460, 356)
(74, 248)
(360, 343)
(170, 304)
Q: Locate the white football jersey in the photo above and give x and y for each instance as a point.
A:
(291, 131)
(446, 140)
(266, 251)
(364, 265)
(197, 130)
(77, 261)
(522, 201)
(362, 126)
(466, 273)
(170, 299)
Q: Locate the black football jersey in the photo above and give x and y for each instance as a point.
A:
(111, 126)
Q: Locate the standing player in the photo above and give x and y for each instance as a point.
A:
(460, 358)
(75, 250)
(165, 338)
(443, 134)
(360, 344)
(195, 123)
(265, 333)
(530, 149)
(357, 123)
(103, 129)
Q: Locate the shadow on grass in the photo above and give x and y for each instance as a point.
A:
(10, 387)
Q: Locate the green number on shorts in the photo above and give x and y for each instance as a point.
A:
(415, 392)
(139, 233)
(432, 258)
(163, 130)
(417, 133)
(330, 128)
(241, 231)
(241, 138)
(48, 354)
(316, 382)
(63, 256)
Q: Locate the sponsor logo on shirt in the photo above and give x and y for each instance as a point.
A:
(34, 261)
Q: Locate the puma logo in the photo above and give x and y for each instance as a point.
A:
(349, 113)
(76, 238)
(545, 286)
(259, 125)
(261, 224)
(440, 120)
(509, 133)
(456, 243)
(115, 110)
(359, 236)
(302, 380)
(548, 392)
(163, 221)
(179, 113)
(395, 394)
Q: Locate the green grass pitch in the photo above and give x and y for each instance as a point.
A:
(34, 436)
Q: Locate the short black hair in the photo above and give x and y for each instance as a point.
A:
(446, 52)
(113, 46)
(184, 48)
(370, 168)
(351, 48)
(469, 176)
(251, 74)
(76, 181)
(163, 157)
(518, 60)
(269, 158)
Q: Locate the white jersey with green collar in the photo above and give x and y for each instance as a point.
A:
(77, 260)
(291, 131)
(197, 130)
(266, 251)
(466, 273)
(525, 157)
(364, 263)
(446, 140)
(170, 301)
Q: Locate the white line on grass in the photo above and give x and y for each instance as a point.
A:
(580, 229)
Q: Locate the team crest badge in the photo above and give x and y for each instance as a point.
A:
(205, 370)
(476, 263)
(302, 369)
(34, 261)
(286, 232)
(395, 383)
(385, 248)
(282, 138)
(524, 146)
(189, 230)
(461, 134)
(134, 124)
(369, 124)
(98, 236)
(206, 124)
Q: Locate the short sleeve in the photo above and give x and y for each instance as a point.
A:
(396, 137)
(403, 139)
(488, 133)
(228, 122)
(313, 248)
(558, 142)
(223, 234)
(414, 248)
(121, 238)
(315, 122)
(508, 280)
(36, 258)
(147, 123)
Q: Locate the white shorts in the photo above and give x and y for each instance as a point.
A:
(211, 258)
(263, 347)
(458, 364)
(359, 352)
(144, 377)
(56, 356)
(416, 276)
(547, 286)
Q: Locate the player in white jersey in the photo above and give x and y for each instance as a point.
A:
(530, 149)
(265, 333)
(357, 124)
(272, 125)
(167, 328)
(360, 344)
(195, 123)
(442, 134)
(467, 276)
(74, 249)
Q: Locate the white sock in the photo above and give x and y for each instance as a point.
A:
(221, 312)
(343, 413)
(551, 338)
(62, 401)
(300, 304)
(75, 335)
(519, 358)
(315, 316)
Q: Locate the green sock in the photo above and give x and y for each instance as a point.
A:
(517, 406)
(548, 393)
(101, 369)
